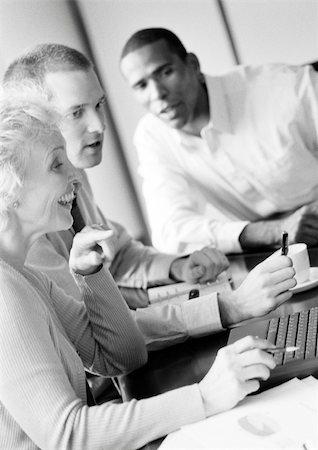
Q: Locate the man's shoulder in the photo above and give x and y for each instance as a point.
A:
(250, 81)
(258, 72)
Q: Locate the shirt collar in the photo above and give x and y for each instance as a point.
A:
(219, 117)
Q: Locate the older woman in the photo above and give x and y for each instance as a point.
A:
(47, 337)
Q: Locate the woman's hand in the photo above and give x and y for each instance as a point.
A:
(87, 256)
(236, 373)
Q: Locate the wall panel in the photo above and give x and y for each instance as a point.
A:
(274, 30)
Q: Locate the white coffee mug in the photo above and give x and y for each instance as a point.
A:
(298, 253)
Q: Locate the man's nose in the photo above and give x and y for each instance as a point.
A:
(96, 122)
(157, 90)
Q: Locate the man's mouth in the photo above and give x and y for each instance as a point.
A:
(170, 110)
(95, 144)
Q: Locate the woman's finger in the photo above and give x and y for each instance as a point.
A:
(257, 356)
(249, 343)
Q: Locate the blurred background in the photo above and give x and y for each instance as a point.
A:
(222, 33)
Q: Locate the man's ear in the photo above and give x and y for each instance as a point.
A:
(193, 61)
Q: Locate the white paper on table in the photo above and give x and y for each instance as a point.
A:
(274, 419)
(310, 382)
(304, 391)
(310, 393)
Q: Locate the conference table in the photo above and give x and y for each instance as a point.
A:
(187, 363)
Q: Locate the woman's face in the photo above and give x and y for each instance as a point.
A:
(48, 190)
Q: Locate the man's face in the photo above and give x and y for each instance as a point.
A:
(80, 99)
(164, 84)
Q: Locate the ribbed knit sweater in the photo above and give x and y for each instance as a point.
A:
(46, 339)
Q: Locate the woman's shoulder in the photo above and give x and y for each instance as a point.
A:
(38, 279)
(9, 275)
(19, 296)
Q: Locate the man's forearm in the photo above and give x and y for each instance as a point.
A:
(227, 308)
(266, 233)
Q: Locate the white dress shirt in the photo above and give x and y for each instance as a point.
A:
(257, 157)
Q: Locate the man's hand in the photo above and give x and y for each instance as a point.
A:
(264, 289)
(301, 225)
(86, 254)
(200, 267)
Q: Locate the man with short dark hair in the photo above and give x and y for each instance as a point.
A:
(228, 160)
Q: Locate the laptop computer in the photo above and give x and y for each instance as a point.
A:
(298, 329)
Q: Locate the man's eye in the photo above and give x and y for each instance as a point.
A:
(75, 114)
(140, 86)
(101, 103)
(167, 71)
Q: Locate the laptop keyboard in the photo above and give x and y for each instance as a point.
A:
(298, 329)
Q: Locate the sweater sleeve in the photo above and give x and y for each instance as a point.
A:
(39, 400)
(104, 334)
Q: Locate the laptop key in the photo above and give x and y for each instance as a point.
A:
(291, 337)
(272, 330)
(311, 340)
(281, 339)
(301, 335)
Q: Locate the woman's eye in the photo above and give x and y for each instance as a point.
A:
(57, 165)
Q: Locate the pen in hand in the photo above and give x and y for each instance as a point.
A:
(284, 243)
(281, 349)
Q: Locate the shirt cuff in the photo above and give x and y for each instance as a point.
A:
(160, 268)
(227, 239)
(201, 315)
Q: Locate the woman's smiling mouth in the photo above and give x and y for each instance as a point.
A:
(67, 199)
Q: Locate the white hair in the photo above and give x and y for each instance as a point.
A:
(25, 117)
